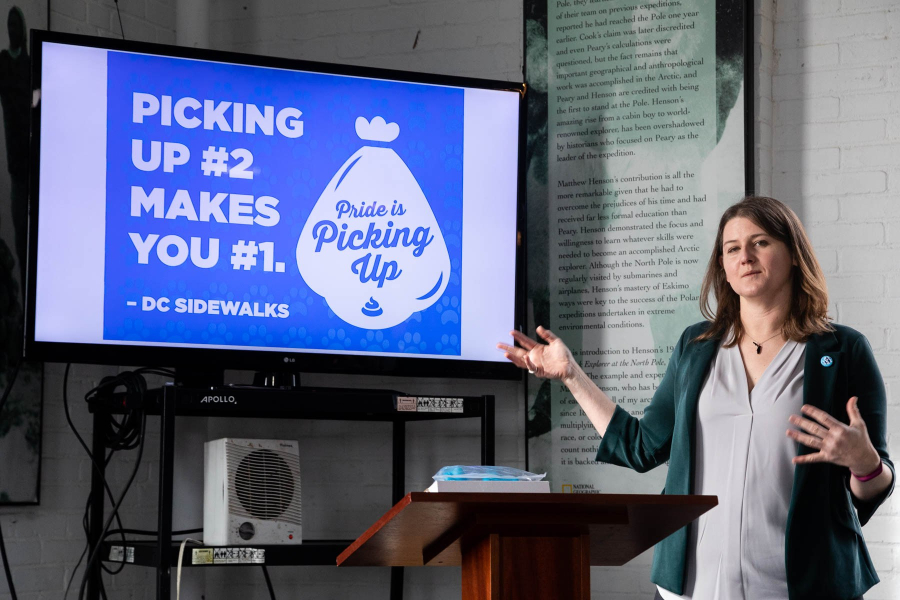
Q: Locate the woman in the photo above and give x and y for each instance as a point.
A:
(766, 359)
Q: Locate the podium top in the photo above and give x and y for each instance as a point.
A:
(432, 528)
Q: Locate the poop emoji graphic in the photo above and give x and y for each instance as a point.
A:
(372, 246)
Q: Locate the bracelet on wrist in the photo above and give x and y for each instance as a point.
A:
(871, 475)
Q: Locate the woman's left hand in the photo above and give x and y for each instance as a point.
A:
(844, 445)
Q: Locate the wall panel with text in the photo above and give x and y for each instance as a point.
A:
(637, 138)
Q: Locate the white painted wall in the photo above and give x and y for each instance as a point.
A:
(828, 142)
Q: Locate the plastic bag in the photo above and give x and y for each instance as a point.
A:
(485, 473)
(372, 246)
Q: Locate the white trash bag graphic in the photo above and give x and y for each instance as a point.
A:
(372, 246)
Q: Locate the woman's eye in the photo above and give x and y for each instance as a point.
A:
(762, 243)
(732, 249)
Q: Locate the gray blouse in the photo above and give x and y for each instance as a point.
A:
(744, 457)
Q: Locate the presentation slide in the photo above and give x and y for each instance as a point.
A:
(195, 203)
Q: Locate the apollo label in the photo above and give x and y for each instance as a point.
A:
(223, 399)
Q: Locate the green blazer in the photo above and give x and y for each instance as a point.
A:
(825, 554)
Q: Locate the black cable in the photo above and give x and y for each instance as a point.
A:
(115, 509)
(9, 579)
(9, 385)
(148, 532)
(124, 434)
(12, 589)
(157, 371)
(75, 570)
(85, 524)
(122, 29)
(86, 527)
(87, 531)
(75, 431)
(268, 582)
(100, 471)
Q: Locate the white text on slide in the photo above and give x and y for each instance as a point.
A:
(244, 118)
(215, 307)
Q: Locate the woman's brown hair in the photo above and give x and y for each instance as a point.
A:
(808, 314)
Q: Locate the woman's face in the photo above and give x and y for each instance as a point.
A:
(756, 264)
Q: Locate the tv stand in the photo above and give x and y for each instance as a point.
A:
(171, 401)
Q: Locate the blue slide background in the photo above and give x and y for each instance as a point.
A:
(295, 171)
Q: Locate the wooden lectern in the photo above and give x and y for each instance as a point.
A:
(514, 546)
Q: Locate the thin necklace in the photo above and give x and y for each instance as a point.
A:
(759, 345)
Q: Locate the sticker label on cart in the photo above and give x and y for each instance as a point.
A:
(129, 554)
(439, 405)
(406, 404)
(116, 553)
(202, 556)
(245, 555)
(239, 556)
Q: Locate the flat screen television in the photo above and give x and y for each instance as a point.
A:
(205, 209)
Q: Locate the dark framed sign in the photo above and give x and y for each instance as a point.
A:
(639, 134)
(20, 421)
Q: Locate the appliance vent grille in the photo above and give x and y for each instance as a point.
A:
(264, 484)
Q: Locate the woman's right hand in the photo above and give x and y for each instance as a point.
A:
(552, 360)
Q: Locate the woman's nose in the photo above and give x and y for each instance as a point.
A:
(746, 256)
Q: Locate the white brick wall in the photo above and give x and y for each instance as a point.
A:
(837, 160)
(142, 20)
(480, 38)
(827, 141)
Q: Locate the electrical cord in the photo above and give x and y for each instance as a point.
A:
(75, 570)
(126, 433)
(9, 386)
(115, 509)
(3, 399)
(87, 526)
(100, 472)
(148, 532)
(180, 559)
(12, 589)
(123, 434)
(122, 29)
(268, 582)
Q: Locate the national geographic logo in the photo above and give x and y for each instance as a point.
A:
(579, 488)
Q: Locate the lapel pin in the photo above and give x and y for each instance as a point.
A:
(826, 361)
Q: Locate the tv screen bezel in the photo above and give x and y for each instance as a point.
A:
(253, 359)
